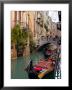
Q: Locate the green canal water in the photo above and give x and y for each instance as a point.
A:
(18, 66)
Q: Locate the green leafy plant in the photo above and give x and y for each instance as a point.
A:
(19, 36)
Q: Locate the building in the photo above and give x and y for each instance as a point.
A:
(38, 23)
(59, 24)
(21, 18)
(39, 28)
(54, 29)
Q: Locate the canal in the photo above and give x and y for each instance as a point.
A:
(18, 66)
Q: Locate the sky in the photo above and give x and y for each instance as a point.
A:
(54, 16)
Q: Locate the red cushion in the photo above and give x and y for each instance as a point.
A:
(37, 68)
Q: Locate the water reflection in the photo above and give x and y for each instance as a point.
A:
(18, 66)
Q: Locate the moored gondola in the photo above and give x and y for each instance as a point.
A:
(43, 70)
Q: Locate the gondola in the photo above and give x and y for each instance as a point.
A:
(43, 70)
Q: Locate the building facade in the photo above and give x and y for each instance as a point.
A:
(38, 23)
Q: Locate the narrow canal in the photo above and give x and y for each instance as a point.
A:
(18, 66)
